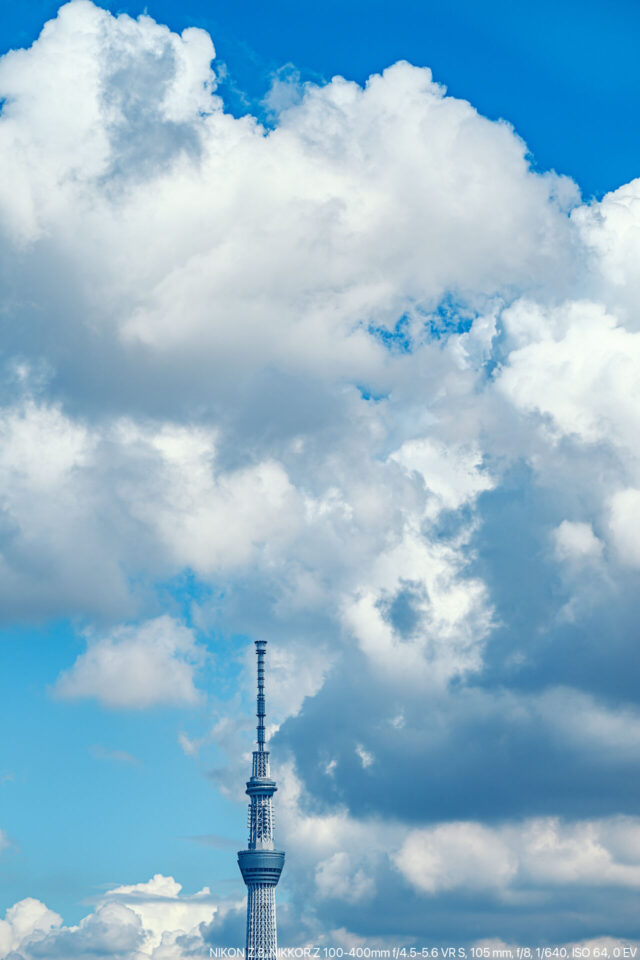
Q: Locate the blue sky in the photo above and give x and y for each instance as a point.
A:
(351, 366)
(73, 769)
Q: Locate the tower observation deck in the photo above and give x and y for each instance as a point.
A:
(260, 864)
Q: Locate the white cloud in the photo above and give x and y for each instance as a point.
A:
(572, 373)
(365, 756)
(26, 921)
(576, 542)
(609, 732)
(40, 448)
(92, 112)
(55, 536)
(306, 234)
(542, 852)
(578, 365)
(136, 666)
(161, 907)
(225, 288)
(453, 612)
(624, 524)
(454, 476)
(610, 230)
(316, 838)
(335, 878)
(284, 244)
(587, 853)
(295, 673)
(456, 855)
(128, 923)
(514, 861)
(285, 251)
(90, 505)
(203, 519)
(171, 504)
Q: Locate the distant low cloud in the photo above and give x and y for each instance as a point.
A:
(532, 855)
(128, 923)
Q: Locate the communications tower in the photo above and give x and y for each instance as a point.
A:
(260, 864)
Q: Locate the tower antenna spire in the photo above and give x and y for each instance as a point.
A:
(260, 864)
(261, 649)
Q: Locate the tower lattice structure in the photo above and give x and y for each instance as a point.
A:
(260, 864)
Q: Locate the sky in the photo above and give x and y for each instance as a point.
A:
(319, 327)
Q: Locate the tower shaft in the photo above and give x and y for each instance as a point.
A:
(260, 864)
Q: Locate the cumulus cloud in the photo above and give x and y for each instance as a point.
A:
(328, 218)
(136, 666)
(358, 373)
(287, 246)
(453, 855)
(536, 853)
(285, 255)
(91, 506)
(152, 919)
(203, 521)
(95, 119)
(577, 365)
(161, 906)
(576, 542)
(26, 921)
(611, 235)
